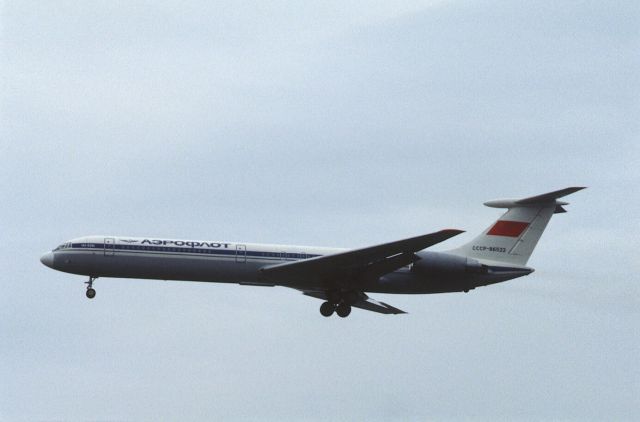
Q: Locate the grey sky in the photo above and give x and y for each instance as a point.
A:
(318, 123)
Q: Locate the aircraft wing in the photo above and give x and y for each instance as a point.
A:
(364, 302)
(372, 261)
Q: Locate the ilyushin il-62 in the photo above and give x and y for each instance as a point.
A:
(341, 278)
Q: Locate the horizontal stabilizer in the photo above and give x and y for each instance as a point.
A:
(545, 198)
(559, 209)
(548, 197)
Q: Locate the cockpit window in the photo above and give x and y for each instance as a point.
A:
(63, 246)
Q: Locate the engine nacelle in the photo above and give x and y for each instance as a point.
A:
(434, 264)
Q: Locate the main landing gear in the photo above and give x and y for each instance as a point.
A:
(343, 309)
(91, 293)
(339, 302)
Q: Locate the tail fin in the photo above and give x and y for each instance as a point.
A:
(513, 237)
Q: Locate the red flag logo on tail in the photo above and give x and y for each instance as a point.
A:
(507, 228)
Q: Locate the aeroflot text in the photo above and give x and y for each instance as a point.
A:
(182, 243)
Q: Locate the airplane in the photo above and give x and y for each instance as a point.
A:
(341, 278)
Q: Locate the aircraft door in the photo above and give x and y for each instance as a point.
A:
(109, 246)
(241, 254)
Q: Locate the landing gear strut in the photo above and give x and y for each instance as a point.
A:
(91, 293)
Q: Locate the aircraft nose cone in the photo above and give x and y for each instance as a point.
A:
(47, 259)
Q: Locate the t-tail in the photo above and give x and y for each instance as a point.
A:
(513, 237)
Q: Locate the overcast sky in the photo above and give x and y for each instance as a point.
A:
(331, 124)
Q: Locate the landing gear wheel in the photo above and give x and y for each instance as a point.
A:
(90, 292)
(326, 309)
(343, 310)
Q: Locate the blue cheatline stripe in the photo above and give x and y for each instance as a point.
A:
(198, 251)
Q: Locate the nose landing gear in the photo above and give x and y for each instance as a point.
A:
(91, 293)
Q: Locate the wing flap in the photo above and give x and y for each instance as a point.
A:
(364, 302)
(380, 307)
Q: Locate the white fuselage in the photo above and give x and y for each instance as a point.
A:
(230, 262)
